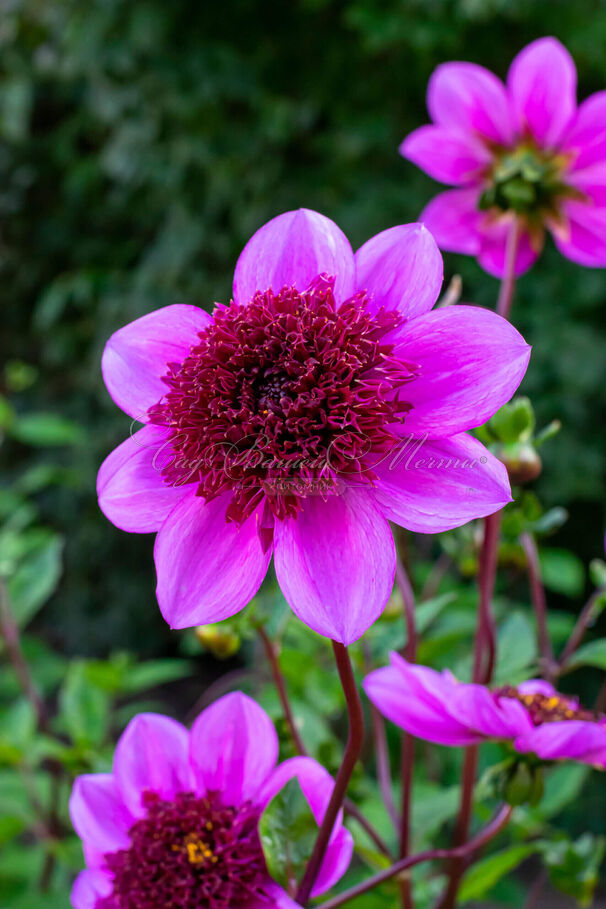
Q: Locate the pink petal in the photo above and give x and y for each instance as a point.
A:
(586, 138)
(542, 85)
(89, 887)
(208, 569)
(293, 249)
(416, 699)
(591, 181)
(273, 898)
(152, 755)
(335, 563)
(537, 686)
(585, 240)
(98, 813)
(455, 220)
(470, 363)
(430, 487)
(493, 249)
(130, 487)
(136, 356)
(576, 740)
(467, 97)
(233, 748)
(446, 154)
(317, 785)
(477, 707)
(402, 269)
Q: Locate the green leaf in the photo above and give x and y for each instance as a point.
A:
(483, 876)
(562, 572)
(35, 578)
(515, 422)
(288, 832)
(17, 727)
(84, 708)
(154, 673)
(574, 866)
(42, 429)
(516, 649)
(562, 785)
(592, 654)
(432, 806)
(597, 572)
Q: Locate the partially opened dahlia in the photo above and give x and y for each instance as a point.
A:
(323, 401)
(533, 716)
(520, 150)
(176, 821)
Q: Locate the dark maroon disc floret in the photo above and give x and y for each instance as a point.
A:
(286, 396)
(189, 853)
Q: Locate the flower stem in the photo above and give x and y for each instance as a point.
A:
(583, 622)
(508, 282)
(350, 756)
(483, 666)
(485, 642)
(272, 658)
(280, 683)
(461, 852)
(12, 641)
(537, 591)
(408, 745)
(381, 752)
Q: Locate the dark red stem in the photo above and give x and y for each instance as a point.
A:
(408, 745)
(461, 852)
(350, 807)
(350, 756)
(12, 642)
(583, 622)
(537, 592)
(483, 666)
(508, 284)
(272, 658)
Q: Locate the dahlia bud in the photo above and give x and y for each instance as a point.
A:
(522, 784)
(522, 461)
(219, 639)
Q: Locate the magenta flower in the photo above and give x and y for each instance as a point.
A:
(521, 150)
(323, 401)
(176, 822)
(533, 716)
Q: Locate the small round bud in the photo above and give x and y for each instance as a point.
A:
(219, 639)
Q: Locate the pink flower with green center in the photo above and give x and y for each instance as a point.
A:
(176, 821)
(325, 400)
(533, 716)
(521, 150)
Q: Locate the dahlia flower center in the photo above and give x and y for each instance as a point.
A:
(284, 397)
(189, 853)
(526, 180)
(545, 708)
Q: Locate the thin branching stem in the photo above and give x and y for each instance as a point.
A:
(508, 284)
(350, 756)
(460, 852)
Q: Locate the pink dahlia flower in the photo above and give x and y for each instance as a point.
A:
(521, 150)
(533, 716)
(323, 401)
(176, 821)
